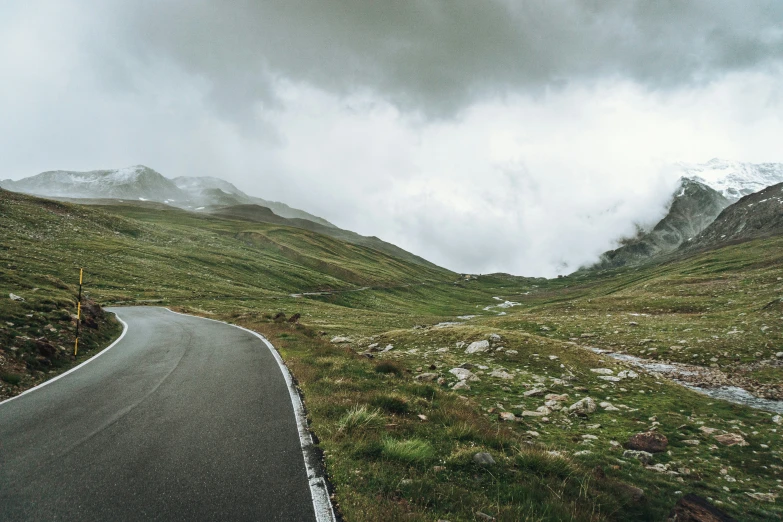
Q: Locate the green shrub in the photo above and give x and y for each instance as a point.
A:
(388, 367)
(11, 378)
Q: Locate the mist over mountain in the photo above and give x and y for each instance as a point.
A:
(693, 207)
(704, 191)
(211, 191)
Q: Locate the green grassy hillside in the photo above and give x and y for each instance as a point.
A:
(399, 440)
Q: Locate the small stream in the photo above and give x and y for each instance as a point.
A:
(673, 370)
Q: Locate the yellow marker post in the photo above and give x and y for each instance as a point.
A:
(78, 313)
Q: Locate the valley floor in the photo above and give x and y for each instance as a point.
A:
(410, 381)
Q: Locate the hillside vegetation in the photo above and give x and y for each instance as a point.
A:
(400, 409)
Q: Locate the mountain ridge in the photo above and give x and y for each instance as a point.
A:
(143, 185)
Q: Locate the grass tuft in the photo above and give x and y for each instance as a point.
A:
(360, 418)
(411, 450)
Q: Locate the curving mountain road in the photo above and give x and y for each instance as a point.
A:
(182, 419)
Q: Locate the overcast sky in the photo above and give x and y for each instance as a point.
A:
(523, 137)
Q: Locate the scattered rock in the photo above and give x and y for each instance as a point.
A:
(507, 416)
(494, 337)
(512, 352)
(692, 442)
(645, 457)
(602, 371)
(693, 508)
(427, 377)
(463, 375)
(484, 516)
(628, 374)
(587, 335)
(556, 397)
(777, 419)
(533, 414)
(461, 385)
(707, 431)
(340, 340)
(608, 406)
(731, 439)
(535, 392)
(649, 441)
(477, 347)
(501, 374)
(779, 355)
(633, 323)
(483, 459)
(583, 406)
(582, 453)
(765, 497)
(610, 378)
(15, 297)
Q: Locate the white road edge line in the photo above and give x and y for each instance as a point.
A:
(318, 490)
(91, 359)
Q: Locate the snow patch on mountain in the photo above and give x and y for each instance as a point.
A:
(734, 179)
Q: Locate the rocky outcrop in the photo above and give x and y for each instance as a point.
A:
(754, 216)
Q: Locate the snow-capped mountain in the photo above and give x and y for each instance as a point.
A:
(734, 179)
(137, 182)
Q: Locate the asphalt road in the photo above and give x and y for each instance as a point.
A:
(183, 419)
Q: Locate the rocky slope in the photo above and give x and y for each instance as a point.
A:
(694, 206)
(756, 215)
